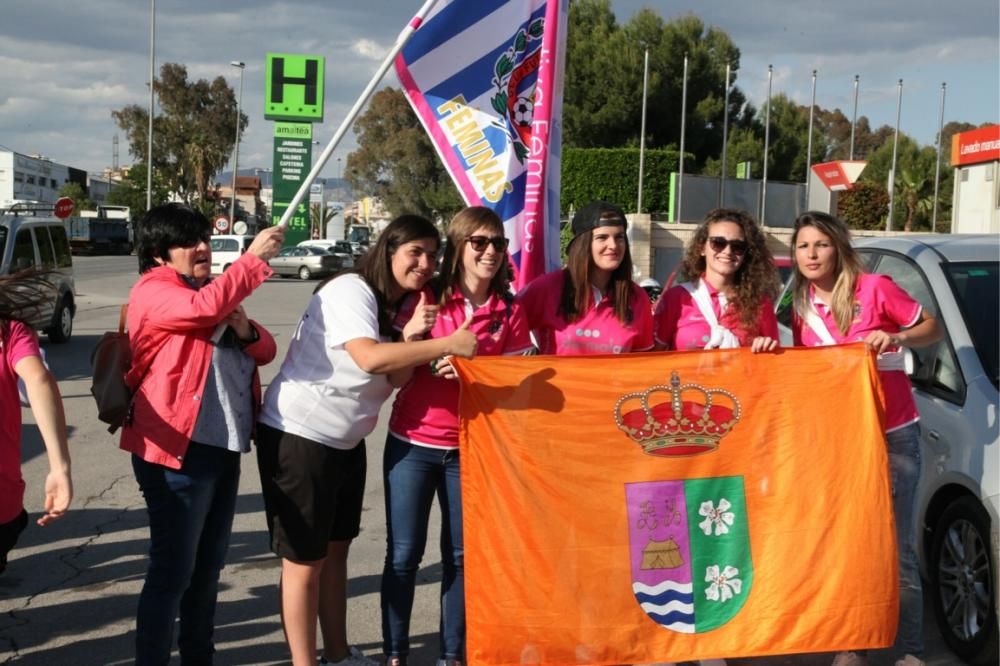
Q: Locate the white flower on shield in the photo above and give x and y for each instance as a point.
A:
(721, 517)
(723, 585)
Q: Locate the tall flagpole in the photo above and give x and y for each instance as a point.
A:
(809, 148)
(854, 117)
(895, 149)
(318, 165)
(767, 142)
(937, 163)
(725, 142)
(642, 135)
(152, 74)
(680, 175)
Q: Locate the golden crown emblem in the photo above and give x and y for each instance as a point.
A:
(688, 419)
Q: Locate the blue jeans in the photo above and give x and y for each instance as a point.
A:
(413, 474)
(904, 467)
(190, 520)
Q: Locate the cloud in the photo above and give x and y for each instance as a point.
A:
(366, 48)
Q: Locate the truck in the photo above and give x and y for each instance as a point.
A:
(106, 230)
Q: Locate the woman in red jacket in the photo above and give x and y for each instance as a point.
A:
(197, 397)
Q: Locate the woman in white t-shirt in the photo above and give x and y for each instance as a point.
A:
(316, 414)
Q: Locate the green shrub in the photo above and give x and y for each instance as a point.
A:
(612, 174)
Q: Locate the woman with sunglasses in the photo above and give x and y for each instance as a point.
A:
(727, 300)
(835, 302)
(421, 449)
(591, 306)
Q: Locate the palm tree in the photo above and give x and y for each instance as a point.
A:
(319, 216)
(913, 193)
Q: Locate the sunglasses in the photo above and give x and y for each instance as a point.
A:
(479, 243)
(718, 244)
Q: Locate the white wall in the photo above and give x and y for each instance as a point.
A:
(976, 202)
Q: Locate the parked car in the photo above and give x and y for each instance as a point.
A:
(31, 237)
(226, 249)
(341, 248)
(305, 262)
(955, 277)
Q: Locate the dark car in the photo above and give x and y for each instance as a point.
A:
(305, 262)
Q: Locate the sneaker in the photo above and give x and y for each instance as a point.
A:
(354, 658)
(395, 660)
(910, 660)
(849, 659)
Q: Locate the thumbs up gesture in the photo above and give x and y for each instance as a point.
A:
(422, 321)
(463, 341)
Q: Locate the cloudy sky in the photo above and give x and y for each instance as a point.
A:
(65, 65)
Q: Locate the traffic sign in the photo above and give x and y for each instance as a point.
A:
(222, 224)
(64, 208)
(839, 175)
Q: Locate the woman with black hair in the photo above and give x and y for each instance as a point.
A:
(195, 403)
(324, 401)
(20, 359)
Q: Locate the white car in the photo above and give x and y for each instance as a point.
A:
(955, 277)
(341, 249)
(226, 249)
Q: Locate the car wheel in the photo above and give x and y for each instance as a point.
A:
(304, 273)
(962, 580)
(62, 322)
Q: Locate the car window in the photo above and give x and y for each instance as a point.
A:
(287, 252)
(937, 369)
(246, 243)
(64, 258)
(3, 241)
(977, 289)
(23, 256)
(45, 253)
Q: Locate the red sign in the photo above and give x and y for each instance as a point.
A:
(840, 174)
(222, 224)
(63, 208)
(975, 146)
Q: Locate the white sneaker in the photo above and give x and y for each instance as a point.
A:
(910, 660)
(354, 658)
(849, 659)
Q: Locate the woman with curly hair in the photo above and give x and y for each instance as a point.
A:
(727, 300)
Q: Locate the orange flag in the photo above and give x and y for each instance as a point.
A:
(667, 507)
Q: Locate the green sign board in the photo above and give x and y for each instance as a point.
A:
(292, 162)
(293, 87)
(743, 170)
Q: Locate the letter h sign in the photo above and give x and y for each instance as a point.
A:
(294, 88)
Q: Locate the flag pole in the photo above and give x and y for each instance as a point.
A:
(642, 131)
(767, 146)
(809, 148)
(678, 214)
(937, 163)
(895, 149)
(725, 141)
(318, 165)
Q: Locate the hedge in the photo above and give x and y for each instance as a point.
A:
(612, 174)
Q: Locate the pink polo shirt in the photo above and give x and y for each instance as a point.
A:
(425, 412)
(679, 324)
(19, 343)
(597, 331)
(880, 305)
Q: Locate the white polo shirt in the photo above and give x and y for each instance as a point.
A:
(320, 393)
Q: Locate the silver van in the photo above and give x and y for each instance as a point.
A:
(31, 237)
(227, 249)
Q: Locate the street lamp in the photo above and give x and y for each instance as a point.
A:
(236, 150)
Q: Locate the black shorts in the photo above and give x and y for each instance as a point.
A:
(312, 493)
(8, 536)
